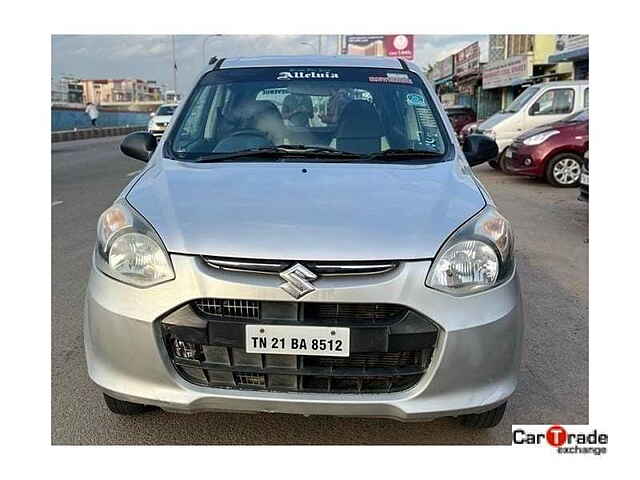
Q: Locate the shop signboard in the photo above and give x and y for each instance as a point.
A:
(467, 60)
(510, 71)
(443, 68)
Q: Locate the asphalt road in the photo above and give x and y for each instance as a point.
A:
(552, 249)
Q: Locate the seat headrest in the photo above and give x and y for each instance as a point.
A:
(359, 119)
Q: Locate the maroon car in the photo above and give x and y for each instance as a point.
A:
(459, 115)
(553, 151)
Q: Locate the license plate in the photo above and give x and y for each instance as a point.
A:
(584, 179)
(508, 153)
(297, 340)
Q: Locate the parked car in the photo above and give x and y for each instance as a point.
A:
(538, 105)
(160, 119)
(584, 179)
(554, 152)
(352, 268)
(460, 115)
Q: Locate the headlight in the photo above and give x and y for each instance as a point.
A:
(478, 256)
(129, 250)
(540, 137)
(150, 125)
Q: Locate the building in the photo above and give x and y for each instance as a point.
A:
(574, 49)
(121, 91)
(516, 62)
(66, 89)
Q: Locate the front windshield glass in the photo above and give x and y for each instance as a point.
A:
(166, 110)
(356, 110)
(521, 100)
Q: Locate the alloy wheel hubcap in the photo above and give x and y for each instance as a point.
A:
(566, 171)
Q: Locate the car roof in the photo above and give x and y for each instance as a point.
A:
(561, 83)
(311, 61)
(168, 105)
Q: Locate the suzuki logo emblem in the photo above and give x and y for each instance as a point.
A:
(298, 280)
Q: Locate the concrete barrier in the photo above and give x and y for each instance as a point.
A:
(84, 133)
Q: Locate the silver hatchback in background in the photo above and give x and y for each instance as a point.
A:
(308, 237)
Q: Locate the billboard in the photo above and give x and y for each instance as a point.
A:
(443, 68)
(510, 71)
(400, 46)
(468, 60)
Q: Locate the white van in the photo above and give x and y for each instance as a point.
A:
(538, 105)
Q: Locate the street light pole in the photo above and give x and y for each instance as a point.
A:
(309, 44)
(175, 66)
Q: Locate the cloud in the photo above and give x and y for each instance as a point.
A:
(150, 56)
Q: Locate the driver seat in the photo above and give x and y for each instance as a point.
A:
(359, 129)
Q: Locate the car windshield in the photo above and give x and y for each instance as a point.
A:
(166, 110)
(522, 99)
(359, 111)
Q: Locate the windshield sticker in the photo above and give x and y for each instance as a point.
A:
(392, 78)
(416, 100)
(307, 75)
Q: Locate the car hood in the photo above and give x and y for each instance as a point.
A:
(493, 120)
(295, 211)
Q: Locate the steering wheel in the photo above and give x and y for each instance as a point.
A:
(244, 139)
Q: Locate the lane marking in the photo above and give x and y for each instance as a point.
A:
(131, 174)
(57, 202)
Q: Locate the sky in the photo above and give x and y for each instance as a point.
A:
(148, 57)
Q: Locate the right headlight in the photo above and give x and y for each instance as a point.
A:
(128, 248)
(477, 256)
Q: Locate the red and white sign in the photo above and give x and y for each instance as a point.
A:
(400, 46)
(468, 60)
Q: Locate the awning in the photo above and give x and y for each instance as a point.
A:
(570, 56)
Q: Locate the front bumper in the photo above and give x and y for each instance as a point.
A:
(474, 367)
(522, 154)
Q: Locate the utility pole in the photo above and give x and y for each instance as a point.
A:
(175, 66)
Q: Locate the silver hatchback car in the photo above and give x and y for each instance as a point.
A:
(307, 237)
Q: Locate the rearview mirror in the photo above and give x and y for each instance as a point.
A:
(139, 145)
(479, 149)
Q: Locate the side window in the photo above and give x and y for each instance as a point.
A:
(191, 130)
(586, 97)
(554, 102)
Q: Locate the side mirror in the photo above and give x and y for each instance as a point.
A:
(152, 114)
(535, 109)
(139, 145)
(479, 149)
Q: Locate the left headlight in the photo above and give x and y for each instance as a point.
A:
(129, 250)
(540, 137)
(478, 256)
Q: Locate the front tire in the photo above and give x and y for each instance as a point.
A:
(502, 162)
(494, 164)
(564, 170)
(485, 419)
(122, 407)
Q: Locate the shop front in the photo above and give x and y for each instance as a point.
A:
(507, 78)
(574, 49)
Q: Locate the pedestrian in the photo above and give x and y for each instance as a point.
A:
(93, 113)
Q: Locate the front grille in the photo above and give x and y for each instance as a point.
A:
(391, 346)
(216, 307)
(346, 314)
(224, 367)
(354, 312)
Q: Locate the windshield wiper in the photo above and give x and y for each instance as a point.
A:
(403, 154)
(279, 151)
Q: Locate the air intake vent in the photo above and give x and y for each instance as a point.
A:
(216, 307)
